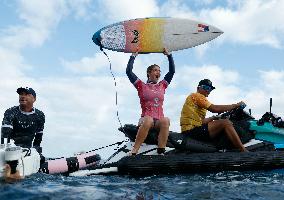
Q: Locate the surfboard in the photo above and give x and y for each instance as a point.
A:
(150, 35)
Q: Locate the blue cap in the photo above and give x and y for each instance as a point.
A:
(26, 90)
(206, 82)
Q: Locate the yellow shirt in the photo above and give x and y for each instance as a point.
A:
(193, 111)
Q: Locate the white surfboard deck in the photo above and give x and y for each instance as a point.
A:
(150, 35)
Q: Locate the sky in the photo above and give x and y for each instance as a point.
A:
(47, 45)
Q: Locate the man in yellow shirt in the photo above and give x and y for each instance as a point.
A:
(194, 123)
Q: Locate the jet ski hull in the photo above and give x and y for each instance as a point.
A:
(200, 162)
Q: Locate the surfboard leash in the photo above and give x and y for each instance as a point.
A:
(115, 84)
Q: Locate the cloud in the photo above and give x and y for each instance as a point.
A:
(203, 2)
(128, 9)
(193, 74)
(245, 22)
(78, 108)
(271, 86)
(81, 8)
(273, 79)
(88, 65)
(98, 64)
(39, 19)
(251, 22)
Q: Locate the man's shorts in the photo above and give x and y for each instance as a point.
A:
(200, 133)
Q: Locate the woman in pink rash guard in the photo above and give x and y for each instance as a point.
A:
(151, 96)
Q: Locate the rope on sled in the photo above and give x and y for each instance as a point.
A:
(117, 143)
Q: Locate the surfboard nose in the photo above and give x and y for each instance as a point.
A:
(216, 30)
(97, 38)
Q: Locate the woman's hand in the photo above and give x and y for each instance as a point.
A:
(134, 54)
(165, 52)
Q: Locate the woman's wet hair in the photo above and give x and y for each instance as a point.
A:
(150, 68)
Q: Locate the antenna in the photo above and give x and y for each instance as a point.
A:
(270, 105)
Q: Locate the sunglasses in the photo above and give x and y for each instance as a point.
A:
(206, 87)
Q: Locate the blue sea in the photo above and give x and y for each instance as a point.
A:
(222, 185)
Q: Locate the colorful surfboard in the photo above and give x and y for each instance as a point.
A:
(149, 35)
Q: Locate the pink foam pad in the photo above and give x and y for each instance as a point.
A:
(57, 166)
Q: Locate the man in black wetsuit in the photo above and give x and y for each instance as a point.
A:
(24, 123)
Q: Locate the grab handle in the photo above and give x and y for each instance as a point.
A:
(270, 105)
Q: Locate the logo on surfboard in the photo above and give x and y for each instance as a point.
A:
(202, 28)
(136, 36)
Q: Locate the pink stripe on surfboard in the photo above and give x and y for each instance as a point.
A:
(132, 28)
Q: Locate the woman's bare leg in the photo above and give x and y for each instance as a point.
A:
(142, 133)
(163, 125)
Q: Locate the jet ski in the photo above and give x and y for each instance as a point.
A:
(263, 138)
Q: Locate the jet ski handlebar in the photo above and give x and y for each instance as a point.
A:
(229, 114)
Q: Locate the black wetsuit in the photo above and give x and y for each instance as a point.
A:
(25, 128)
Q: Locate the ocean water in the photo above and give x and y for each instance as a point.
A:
(222, 185)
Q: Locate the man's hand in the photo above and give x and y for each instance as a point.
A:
(216, 117)
(241, 104)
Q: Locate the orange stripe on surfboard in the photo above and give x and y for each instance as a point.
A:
(144, 35)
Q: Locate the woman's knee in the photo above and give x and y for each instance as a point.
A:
(165, 122)
(147, 121)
